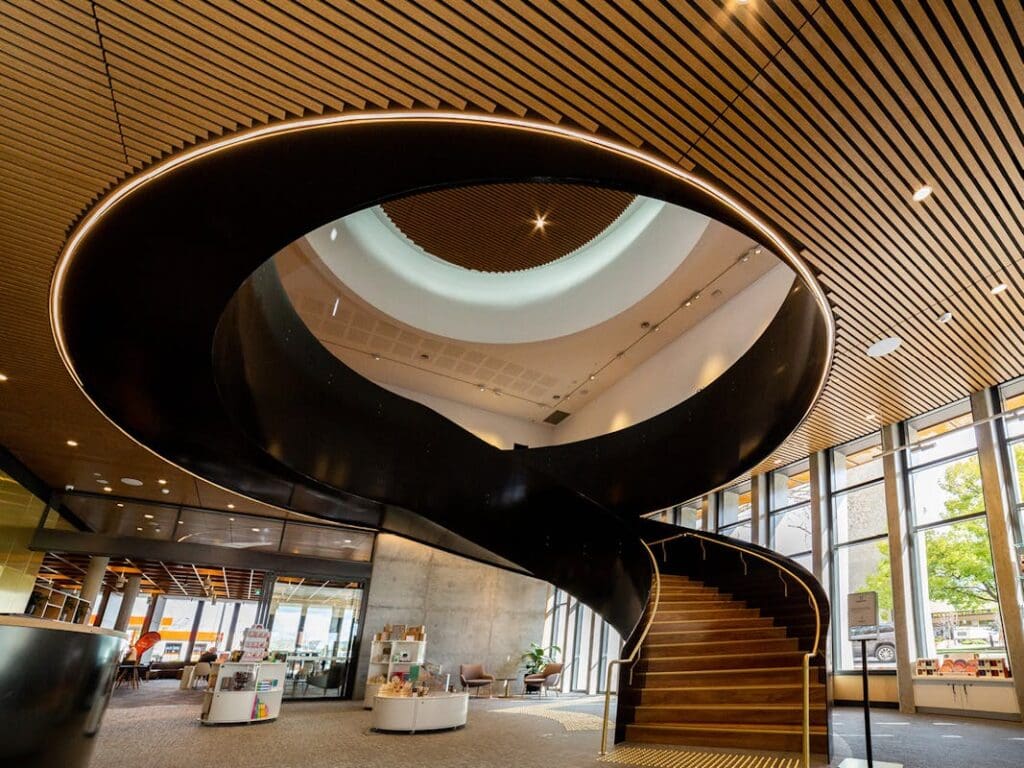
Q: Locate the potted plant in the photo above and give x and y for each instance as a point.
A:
(535, 659)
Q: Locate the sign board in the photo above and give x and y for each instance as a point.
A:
(862, 615)
(255, 642)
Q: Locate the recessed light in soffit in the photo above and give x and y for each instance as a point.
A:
(884, 346)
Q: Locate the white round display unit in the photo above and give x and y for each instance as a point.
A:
(409, 714)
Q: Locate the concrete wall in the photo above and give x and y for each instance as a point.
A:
(472, 612)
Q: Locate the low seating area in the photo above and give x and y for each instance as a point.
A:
(549, 677)
(473, 676)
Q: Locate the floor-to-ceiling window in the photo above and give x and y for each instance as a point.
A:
(860, 550)
(734, 508)
(689, 514)
(175, 628)
(955, 588)
(1013, 428)
(789, 503)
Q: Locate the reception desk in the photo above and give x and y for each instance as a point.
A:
(56, 680)
(410, 714)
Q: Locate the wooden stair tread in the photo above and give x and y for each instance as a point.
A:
(746, 727)
(746, 670)
(798, 707)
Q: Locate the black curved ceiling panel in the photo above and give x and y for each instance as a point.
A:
(260, 408)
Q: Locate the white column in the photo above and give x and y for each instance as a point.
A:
(131, 591)
(998, 512)
(93, 581)
(900, 560)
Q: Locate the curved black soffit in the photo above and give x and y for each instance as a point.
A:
(151, 269)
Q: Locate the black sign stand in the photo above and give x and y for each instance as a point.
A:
(867, 703)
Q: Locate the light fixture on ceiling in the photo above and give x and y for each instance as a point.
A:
(688, 302)
(72, 443)
(231, 519)
(120, 504)
(138, 529)
(148, 516)
(376, 357)
(165, 490)
(3, 377)
(945, 317)
(231, 506)
(334, 234)
(656, 328)
(885, 346)
(592, 377)
(922, 193)
(870, 417)
(134, 482)
(745, 258)
(481, 387)
(757, 250)
(334, 309)
(255, 530)
(696, 295)
(348, 541)
(161, 481)
(777, 462)
(181, 522)
(995, 290)
(101, 481)
(107, 489)
(540, 221)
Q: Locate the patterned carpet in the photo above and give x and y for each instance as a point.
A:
(157, 726)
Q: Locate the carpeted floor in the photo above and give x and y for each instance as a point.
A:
(158, 726)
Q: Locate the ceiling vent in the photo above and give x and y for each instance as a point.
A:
(556, 417)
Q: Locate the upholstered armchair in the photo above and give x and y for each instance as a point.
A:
(549, 677)
(473, 676)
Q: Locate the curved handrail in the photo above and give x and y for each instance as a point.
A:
(633, 655)
(806, 728)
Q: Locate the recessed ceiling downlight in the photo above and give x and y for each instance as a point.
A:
(922, 193)
(995, 290)
(884, 346)
(134, 482)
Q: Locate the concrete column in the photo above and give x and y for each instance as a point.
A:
(93, 581)
(894, 469)
(821, 516)
(194, 633)
(759, 523)
(710, 507)
(999, 512)
(131, 591)
(266, 597)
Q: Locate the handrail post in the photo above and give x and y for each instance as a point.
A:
(636, 647)
(807, 711)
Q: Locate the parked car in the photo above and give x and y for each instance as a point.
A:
(881, 642)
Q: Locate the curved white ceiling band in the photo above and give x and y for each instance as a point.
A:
(608, 275)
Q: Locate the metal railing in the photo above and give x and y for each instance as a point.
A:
(806, 725)
(634, 654)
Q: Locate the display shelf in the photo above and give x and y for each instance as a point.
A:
(46, 602)
(388, 658)
(244, 692)
(990, 697)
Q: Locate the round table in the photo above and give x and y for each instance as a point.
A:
(410, 714)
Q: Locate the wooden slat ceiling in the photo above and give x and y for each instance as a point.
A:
(506, 227)
(824, 117)
(66, 571)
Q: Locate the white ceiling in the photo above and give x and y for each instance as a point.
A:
(530, 375)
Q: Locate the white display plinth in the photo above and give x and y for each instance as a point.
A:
(244, 693)
(410, 714)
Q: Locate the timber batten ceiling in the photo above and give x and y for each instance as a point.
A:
(506, 227)
(824, 118)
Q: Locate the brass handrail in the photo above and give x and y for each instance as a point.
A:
(633, 654)
(806, 729)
